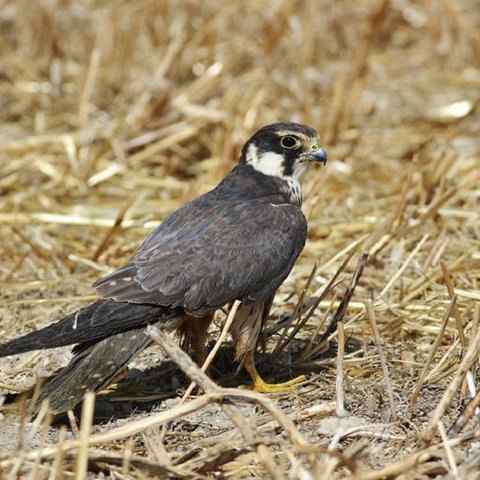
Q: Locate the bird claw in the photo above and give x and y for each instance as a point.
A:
(263, 387)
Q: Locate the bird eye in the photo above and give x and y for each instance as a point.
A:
(289, 142)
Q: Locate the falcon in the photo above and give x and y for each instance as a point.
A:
(239, 242)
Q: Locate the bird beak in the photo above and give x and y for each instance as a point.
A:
(318, 155)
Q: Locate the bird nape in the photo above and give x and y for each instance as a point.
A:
(237, 242)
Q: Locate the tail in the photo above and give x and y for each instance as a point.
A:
(95, 322)
(91, 369)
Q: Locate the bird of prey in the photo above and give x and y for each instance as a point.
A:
(239, 241)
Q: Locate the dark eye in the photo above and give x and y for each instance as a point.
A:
(289, 142)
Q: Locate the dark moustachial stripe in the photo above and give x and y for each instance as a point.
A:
(288, 164)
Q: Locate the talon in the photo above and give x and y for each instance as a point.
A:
(259, 385)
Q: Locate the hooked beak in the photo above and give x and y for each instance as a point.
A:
(319, 155)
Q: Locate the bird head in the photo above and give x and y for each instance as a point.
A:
(284, 150)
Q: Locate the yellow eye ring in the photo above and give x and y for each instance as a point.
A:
(289, 142)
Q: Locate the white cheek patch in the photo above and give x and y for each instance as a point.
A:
(252, 156)
(269, 163)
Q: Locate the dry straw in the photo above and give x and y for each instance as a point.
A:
(115, 113)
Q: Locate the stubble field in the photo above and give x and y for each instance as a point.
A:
(116, 113)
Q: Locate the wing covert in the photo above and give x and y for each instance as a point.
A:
(204, 258)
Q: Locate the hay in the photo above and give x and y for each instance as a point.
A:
(115, 113)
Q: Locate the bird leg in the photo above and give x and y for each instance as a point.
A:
(259, 385)
(195, 333)
(245, 331)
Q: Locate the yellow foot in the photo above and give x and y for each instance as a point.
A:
(260, 386)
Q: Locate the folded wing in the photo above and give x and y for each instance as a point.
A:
(202, 259)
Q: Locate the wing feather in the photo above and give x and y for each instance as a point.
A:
(210, 253)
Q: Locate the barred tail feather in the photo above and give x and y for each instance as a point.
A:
(91, 369)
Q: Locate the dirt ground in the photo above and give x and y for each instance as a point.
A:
(115, 113)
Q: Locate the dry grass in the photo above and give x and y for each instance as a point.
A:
(115, 113)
